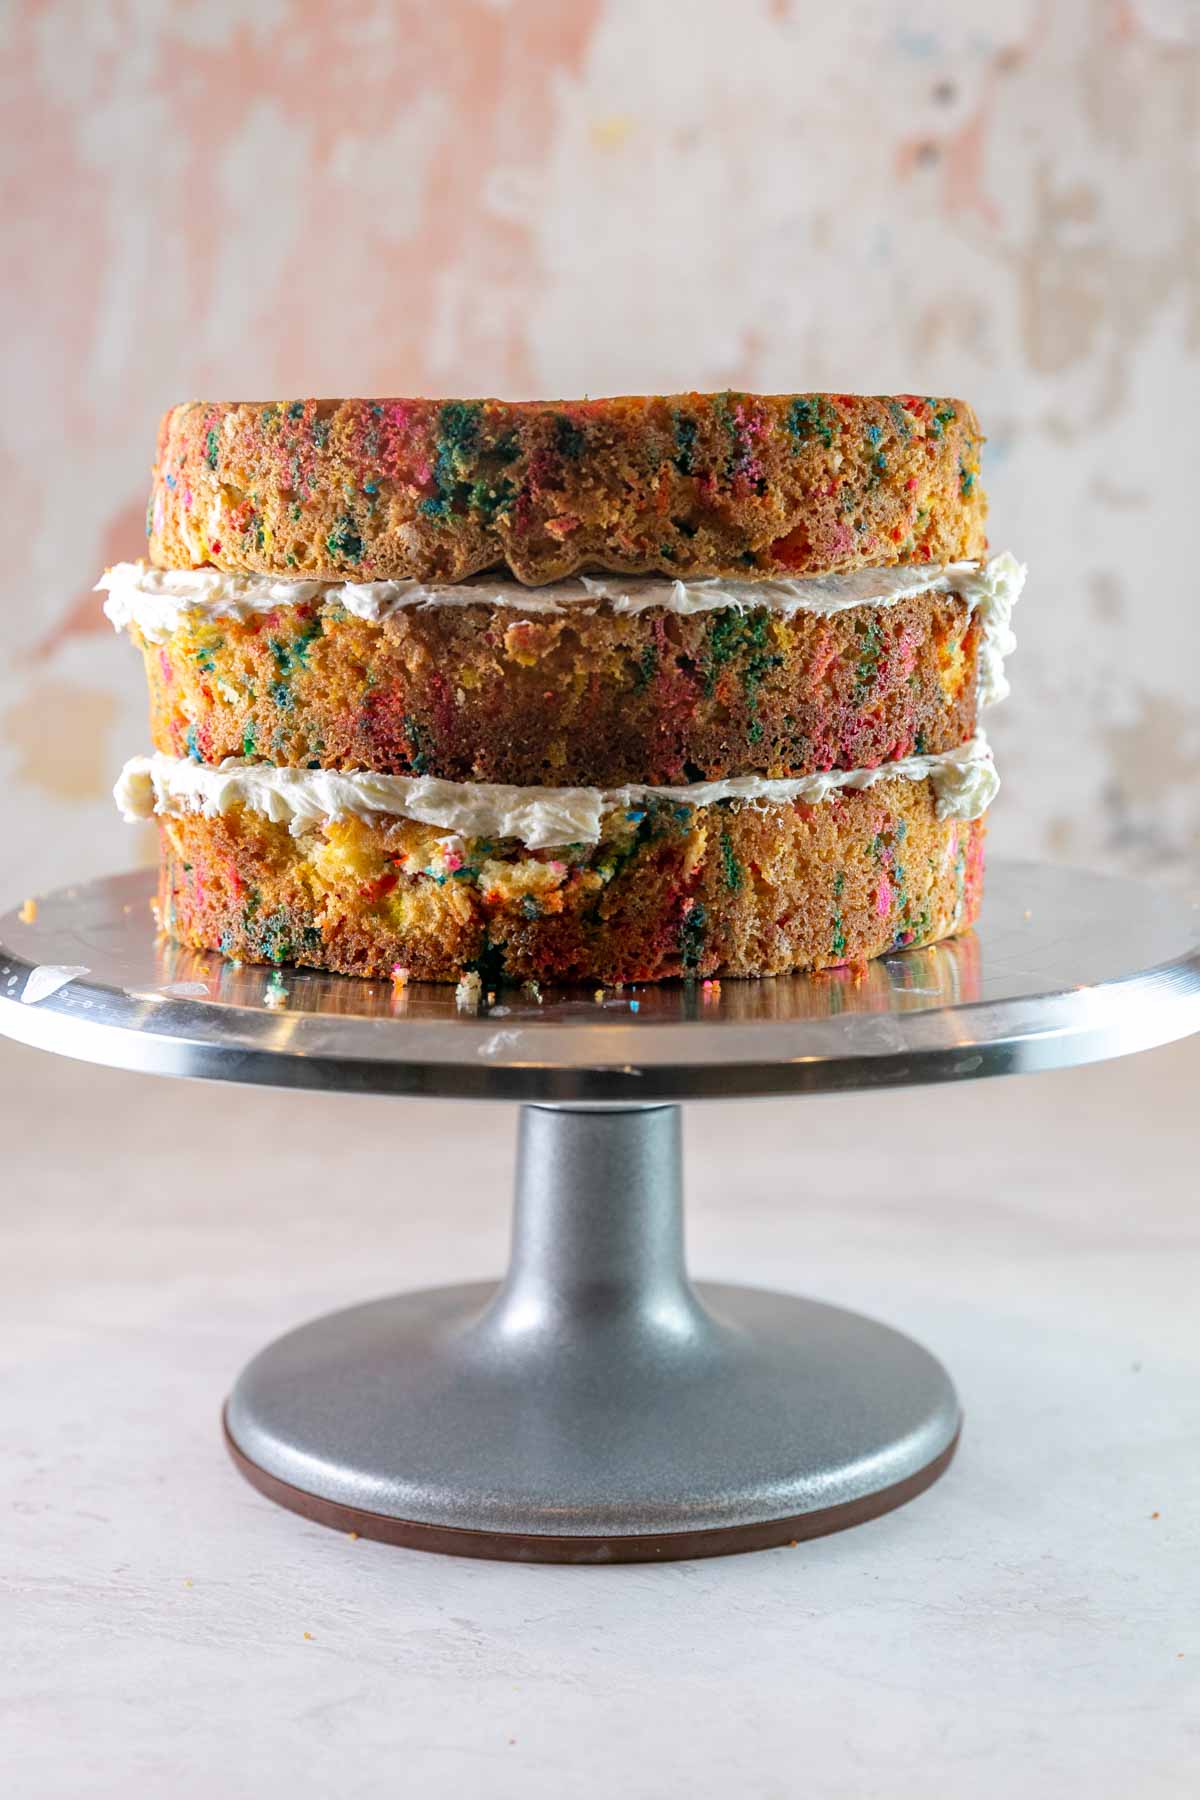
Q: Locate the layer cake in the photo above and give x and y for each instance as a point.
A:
(603, 691)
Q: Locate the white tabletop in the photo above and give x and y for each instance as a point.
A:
(1030, 1626)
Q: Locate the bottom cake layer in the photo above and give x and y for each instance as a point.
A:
(732, 888)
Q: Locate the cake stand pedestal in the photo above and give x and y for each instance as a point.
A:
(596, 1406)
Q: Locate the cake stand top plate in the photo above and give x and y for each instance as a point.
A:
(1063, 968)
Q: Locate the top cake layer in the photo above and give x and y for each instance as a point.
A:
(730, 485)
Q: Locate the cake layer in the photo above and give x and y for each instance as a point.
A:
(690, 484)
(732, 887)
(596, 682)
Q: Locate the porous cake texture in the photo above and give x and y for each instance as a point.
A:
(669, 890)
(724, 484)
(479, 692)
(613, 690)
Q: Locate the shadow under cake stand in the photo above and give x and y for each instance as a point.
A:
(595, 1405)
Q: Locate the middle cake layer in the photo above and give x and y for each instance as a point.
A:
(593, 682)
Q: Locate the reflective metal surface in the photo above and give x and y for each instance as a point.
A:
(1063, 968)
(595, 1394)
(595, 1405)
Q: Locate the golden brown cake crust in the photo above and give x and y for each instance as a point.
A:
(592, 698)
(728, 889)
(728, 484)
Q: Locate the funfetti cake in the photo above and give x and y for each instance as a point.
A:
(609, 690)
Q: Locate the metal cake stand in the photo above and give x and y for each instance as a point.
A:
(595, 1406)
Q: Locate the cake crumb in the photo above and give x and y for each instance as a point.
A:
(468, 991)
(532, 991)
(399, 976)
(354, 1537)
(598, 996)
(308, 1637)
(28, 913)
(276, 995)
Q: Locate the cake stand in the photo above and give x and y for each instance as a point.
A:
(595, 1405)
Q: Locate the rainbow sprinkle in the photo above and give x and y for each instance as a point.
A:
(275, 995)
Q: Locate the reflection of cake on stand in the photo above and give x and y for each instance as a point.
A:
(714, 713)
(599, 693)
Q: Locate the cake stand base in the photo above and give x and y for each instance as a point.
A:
(595, 1406)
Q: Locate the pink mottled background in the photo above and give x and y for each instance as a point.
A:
(565, 196)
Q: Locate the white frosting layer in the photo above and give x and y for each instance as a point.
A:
(993, 593)
(964, 781)
(157, 601)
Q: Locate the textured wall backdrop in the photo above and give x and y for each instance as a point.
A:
(548, 197)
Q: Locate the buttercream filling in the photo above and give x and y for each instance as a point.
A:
(964, 783)
(158, 601)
